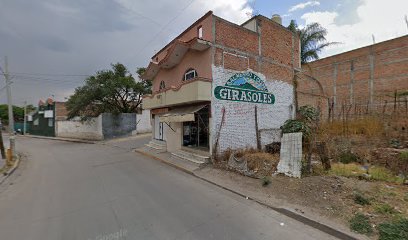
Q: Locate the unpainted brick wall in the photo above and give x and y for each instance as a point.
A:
(362, 76)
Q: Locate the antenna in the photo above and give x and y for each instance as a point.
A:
(372, 35)
(406, 20)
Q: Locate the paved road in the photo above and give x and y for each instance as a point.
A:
(67, 190)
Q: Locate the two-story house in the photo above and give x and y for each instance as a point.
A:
(220, 85)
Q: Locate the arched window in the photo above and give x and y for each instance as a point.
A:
(190, 74)
(162, 85)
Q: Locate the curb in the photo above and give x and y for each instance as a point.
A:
(307, 221)
(59, 139)
(11, 170)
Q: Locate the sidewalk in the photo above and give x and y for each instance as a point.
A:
(58, 139)
(250, 189)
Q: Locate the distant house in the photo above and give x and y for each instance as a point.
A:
(42, 122)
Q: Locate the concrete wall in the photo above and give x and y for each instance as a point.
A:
(89, 130)
(118, 125)
(144, 124)
(174, 138)
(238, 129)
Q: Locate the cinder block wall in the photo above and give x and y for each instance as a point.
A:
(359, 77)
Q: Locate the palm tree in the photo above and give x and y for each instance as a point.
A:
(312, 40)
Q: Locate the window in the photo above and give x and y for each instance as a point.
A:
(200, 32)
(190, 74)
(162, 85)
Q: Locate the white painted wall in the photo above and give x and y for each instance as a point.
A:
(238, 130)
(144, 124)
(89, 130)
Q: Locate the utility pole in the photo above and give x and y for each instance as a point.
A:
(2, 151)
(10, 108)
(10, 105)
(25, 118)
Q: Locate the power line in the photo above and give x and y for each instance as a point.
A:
(50, 74)
(163, 28)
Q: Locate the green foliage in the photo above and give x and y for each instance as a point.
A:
(308, 114)
(404, 156)
(394, 230)
(347, 157)
(113, 91)
(312, 40)
(18, 113)
(360, 199)
(395, 143)
(385, 209)
(360, 224)
(265, 181)
(307, 118)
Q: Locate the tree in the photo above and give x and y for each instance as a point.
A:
(312, 40)
(18, 113)
(114, 91)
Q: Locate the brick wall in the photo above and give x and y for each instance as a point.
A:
(362, 77)
(61, 111)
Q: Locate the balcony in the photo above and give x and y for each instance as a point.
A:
(196, 90)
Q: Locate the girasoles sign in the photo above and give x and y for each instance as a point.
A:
(245, 87)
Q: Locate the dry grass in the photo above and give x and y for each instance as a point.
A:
(257, 160)
(370, 127)
(355, 170)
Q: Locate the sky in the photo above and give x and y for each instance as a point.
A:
(52, 45)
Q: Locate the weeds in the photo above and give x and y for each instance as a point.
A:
(266, 181)
(394, 230)
(385, 209)
(348, 157)
(356, 170)
(360, 224)
(360, 199)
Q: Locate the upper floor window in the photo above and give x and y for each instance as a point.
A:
(200, 32)
(190, 74)
(162, 85)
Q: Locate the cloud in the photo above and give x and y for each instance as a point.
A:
(81, 37)
(374, 17)
(303, 5)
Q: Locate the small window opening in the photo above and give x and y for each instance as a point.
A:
(162, 85)
(200, 32)
(190, 74)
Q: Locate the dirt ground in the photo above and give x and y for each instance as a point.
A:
(329, 199)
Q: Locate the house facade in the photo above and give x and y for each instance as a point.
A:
(42, 121)
(219, 85)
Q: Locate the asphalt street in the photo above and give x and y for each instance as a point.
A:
(65, 190)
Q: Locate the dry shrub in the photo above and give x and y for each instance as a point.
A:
(370, 127)
(257, 160)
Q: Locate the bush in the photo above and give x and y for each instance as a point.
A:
(394, 230)
(360, 199)
(360, 224)
(347, 157)
(265, 181)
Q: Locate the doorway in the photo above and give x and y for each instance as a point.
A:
(158, 129)
(196, 133)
